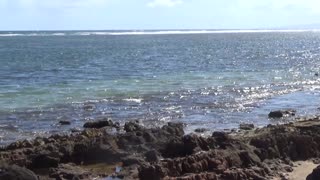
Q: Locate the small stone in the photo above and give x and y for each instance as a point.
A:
(64, 122)
(98, 124)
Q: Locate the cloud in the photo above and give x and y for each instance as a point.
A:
(164, 3)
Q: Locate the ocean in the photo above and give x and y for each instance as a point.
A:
(205, 79)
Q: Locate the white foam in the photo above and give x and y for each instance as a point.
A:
(206, 32)
(58, 34)
(133, 100)
(176, 32)
(9, 35)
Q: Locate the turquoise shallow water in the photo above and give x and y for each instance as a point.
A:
(213, 80)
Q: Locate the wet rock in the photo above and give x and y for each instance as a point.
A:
(132, 126)
(64, 122)
(246, 126)
(193, 143)
(75, 130)
(14, 172)
(315, 175)
(174, 128)
(201, 130)
(116, 125)
(98, 124)
(282, 113)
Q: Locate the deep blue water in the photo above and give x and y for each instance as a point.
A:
(212, 80)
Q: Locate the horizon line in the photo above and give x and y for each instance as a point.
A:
(173, 29)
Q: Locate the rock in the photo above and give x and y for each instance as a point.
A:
(173, 128)
(132, 126)
(282, 113)
(152, 156)
(64, 122)
(246, 126)
(220, 136)
(132, 160)
(316, 74)
(260, 154)
(89, 107)
(201, 130)
(44, 161)
(14, 172)
(315, 175)
(75, 130)
(98, 124)
(69, 171)
(193, 143)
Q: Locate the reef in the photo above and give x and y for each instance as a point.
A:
(132, 151)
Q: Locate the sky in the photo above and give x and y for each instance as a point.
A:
(156, 14)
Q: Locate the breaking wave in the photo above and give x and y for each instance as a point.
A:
(175, 32)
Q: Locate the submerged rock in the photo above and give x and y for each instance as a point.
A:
(64, 122)
(282, 113)
(89, 107)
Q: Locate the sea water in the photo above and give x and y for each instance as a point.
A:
(205, 79)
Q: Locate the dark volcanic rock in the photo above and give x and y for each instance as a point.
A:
(13, 172)
(152, 156)
(132, 126)
(282, 113)
(98, 124)
(69, 171)
(246, 126)
(45, 161)
(315, 175)
(166, 153)
(201, 130)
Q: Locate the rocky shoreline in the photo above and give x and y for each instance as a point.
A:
(106, 150)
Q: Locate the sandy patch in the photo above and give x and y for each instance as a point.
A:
(300, 172)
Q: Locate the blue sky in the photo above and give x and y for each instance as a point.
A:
(156, 14)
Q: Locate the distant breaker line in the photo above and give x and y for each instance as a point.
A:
(173, 32)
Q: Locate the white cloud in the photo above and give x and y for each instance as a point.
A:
(164, 3)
